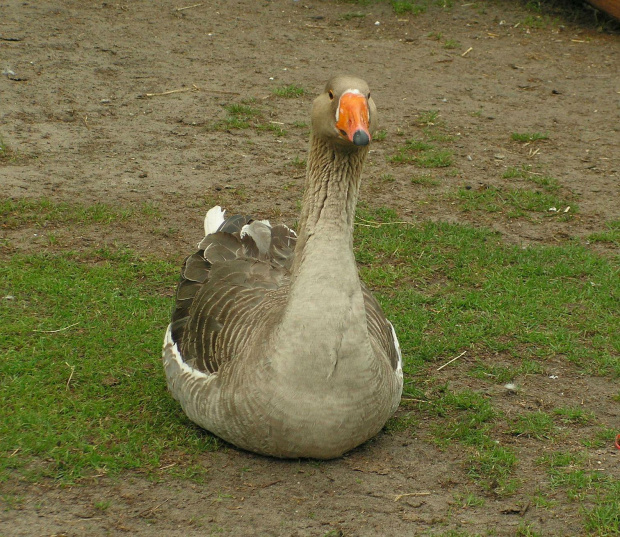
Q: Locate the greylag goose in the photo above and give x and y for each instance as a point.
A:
(275, 345)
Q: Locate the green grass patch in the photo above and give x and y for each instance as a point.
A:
(451, 44)
(466, 418)
(611, 234)
(276, 128)
(408, 421)
(515, 202)
(546, 182)
(468, 500)
(425, 180)
(413, 7)
(240, 116)
(574, 415)
(5, 151)
(596, 491)
(428, 117)
(299, 162)
(245, 116)
(528, 136)
(493, 468)
(8, 155)
(522, 172)
(380, 135)
(534, 425)
(16, 213)
(81, 384)
(292, 91)
(448, 288)
(501, 374)
(424, 154)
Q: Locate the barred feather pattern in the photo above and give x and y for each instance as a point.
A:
(230, 281)
(223, 285)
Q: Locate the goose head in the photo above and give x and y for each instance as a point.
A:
(345, 113)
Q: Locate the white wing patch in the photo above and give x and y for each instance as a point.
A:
(399, 368)
(213, 219)
(173, 359)
(260, 231)
(246, 230)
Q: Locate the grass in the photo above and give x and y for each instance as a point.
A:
(424, 154)
(353, 15)
(425, 180)
(468, 421)
(537, 425)
(546, 182)
(245, 116)
(611, 234)
(291, 91)
(5, 150)
(16, 213)
(451, 44)
(515, 202)
(574, 415)
(81, 382)
(528, 136)
(416, 7)
(480, 292)
(380, 135)
(428, 118)
(597, 492)
(299, 162)
(502, 374)
(240, 116)
(276, 128)
(8, 155)
(413, 7)
(469, 500)
(83, 393)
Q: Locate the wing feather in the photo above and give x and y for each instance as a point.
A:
(235, 270)
(381, 332)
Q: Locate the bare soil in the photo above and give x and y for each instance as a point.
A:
(85, 113)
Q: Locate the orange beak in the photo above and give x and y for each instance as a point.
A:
(353, 118)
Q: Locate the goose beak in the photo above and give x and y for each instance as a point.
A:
(353, 118)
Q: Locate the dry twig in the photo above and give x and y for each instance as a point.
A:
(54, 331)
(170, 92)
(370, 223)
(71, 375)
(187, 7)
(449, 362)
(150, 509)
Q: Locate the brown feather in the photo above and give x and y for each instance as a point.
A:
(222, 282)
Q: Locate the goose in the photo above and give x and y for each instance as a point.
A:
(275, 345)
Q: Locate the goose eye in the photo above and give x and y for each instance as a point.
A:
(331, 95)
(368, 96)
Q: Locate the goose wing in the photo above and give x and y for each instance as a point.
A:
(221, 285)
(382, 334)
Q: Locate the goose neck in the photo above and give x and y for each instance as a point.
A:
(332, 186)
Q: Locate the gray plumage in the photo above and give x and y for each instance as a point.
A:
(275, 344)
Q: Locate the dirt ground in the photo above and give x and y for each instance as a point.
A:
(84, 109)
